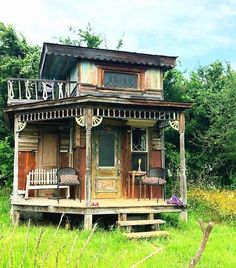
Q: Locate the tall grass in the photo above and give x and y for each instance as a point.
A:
(47, 246)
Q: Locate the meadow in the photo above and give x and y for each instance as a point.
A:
(40, 245)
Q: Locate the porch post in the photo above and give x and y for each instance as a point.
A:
(88, 174)
(162, 135)
(15, 176)
(183, 183)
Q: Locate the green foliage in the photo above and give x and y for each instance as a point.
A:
(17, 59)
(82, 37)
(210, 124)
(88, 38)
(6, 162)
(43, 246)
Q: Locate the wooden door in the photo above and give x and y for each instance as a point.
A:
(48, 151)
(106, 164)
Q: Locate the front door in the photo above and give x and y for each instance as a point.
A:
(106, 163)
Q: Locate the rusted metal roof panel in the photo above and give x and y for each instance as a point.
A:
(57, 59)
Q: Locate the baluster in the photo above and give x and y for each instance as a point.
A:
(45, 93)
(10, 90)
(60, 90)
(53, 93)
(27, 90)
(36, 90)
(19, 89)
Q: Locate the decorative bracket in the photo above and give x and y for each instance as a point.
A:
(97, 120)
(174, 124)
(21, 126)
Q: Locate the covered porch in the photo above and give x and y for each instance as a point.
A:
(99, 143)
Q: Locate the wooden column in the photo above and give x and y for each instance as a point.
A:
(183, 182)
(15, 176)
(71, 148)
(88, 174)
(162, 135)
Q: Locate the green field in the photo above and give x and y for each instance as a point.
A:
(44, 246)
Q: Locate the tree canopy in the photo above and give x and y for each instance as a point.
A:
(210, 123)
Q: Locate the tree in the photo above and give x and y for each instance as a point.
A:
(82, 37)
(87, 38)
(17, 59)
(211, 125)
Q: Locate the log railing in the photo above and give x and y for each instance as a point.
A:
(21, 89)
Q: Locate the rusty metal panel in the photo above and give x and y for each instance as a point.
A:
(88, 73)
(153, 79)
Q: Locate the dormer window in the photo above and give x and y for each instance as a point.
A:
(120, 80)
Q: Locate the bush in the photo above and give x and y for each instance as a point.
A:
(217, 204)
(6, 163)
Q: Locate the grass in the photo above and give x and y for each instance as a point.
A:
(44, 246)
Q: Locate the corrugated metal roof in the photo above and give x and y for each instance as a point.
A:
(57, 60)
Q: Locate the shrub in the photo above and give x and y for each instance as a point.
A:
(6, 163)
(217, 204)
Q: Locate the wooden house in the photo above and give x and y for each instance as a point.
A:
(101, 112)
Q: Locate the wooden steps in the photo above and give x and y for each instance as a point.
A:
(140, 222)
(146, 234)
(135, 219)
(139, 211)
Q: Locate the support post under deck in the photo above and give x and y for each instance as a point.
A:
(183, 182)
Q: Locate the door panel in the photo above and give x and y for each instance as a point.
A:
(48, 151)
(106, 164)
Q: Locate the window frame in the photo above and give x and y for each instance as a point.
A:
(125, 70)
(131, 144)
(125, 88)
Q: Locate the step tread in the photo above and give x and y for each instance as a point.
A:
(146, 234)
(137, 211)
(140, 222)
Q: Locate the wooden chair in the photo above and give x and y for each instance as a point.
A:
(153, 177)
(68, 176)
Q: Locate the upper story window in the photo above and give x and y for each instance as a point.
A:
(120, 80)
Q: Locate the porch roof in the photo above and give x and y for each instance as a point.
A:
(101, 100)
(107, 107)
(57, 59)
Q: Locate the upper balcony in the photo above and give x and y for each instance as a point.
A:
(21, 90)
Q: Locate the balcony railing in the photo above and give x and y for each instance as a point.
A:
(27, 90)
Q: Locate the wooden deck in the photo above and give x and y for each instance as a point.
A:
(106, 206)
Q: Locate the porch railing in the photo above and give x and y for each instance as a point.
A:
(21, 89)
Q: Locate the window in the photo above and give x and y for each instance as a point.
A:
(106, 150)
(120, 80)
(139, 148)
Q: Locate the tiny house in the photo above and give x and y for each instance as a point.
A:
(101, 112)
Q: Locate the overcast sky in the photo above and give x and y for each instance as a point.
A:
(198, 31)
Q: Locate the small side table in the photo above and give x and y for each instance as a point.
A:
(132, 175)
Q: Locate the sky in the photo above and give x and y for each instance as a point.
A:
(197, 31)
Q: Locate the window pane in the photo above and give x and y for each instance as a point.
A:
(136, 157)
(120, 80)
(106, 149)
(139, 141)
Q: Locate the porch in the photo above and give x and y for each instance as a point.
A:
(104, 138)
(123, 208)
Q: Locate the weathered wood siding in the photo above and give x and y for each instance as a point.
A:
(90, 76)
(153, 79)
(28, 139)
(88, 73)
